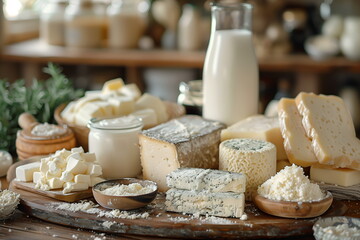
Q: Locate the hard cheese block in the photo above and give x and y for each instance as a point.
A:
(206, 179)
(329, 125)
(296, 143)
(258, 127)
(338, 176)
(189, 141)
(203, 202)
(254, 158)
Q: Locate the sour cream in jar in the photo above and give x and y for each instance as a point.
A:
(115, 143)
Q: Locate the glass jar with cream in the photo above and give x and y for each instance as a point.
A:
(115, 143)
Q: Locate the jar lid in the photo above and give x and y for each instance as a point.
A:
(120, 123)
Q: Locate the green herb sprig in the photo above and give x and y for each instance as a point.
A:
(40, 99)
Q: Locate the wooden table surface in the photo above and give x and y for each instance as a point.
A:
(20, 226)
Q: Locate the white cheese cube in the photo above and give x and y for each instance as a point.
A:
(63, 153)
(44, 167)
(148, 117)
(82, 178)
(94, 170)
(67, 176)
(95, 180)
(122, 105)
(74, 187)
(49, 175)
(131, 90)
(76, 166)
(153, 102)
(89, 157)
(56, 166)
(55, 183)
(37, 176)
(77, 150)
(112, 85)
(25, 172)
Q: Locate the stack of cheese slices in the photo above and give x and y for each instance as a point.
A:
(206, 192)
(318, 131)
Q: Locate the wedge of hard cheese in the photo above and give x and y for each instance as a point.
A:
(258, 127)
(328, 124)
(339, 176)
(204, 202)
(206, 179)
(189, 141)
(296, 143)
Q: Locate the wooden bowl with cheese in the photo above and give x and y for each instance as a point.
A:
(125, 193)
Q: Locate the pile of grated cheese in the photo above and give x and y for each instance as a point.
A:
(132, 189)
(290, 184)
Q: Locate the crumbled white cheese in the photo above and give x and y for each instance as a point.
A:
(92, 208)
(108, 224)
(125, 190)
(343, 230)
(244, 217)
(8, 203)
(46, 129)
(290, 184)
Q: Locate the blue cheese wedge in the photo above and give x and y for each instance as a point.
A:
(203, 202)
(206, 179)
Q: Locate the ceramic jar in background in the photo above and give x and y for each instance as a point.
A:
(52, 22)
(115, 143)
(127, 23)
(350, 39)
(189, 29)
(83, 26)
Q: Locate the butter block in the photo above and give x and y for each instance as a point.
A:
(55, 183)
(131, 90)
(95, 180)
(25, 172)
(122, 105)
(296, 142)
(87, 111)
(148, 117)
(329, 125)
(74, 187)
(258, 127)
(153, 102)
(254, 158)
(112, 85)
(79, 104)
(205, 203)
(82, 178)
(206, 179)
(189, 141)
(339, 176)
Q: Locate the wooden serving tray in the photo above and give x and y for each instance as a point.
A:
(55, 193)
(173, 225)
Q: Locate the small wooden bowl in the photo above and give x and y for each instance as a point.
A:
(82, 132)
(124, 202)
(288, 209)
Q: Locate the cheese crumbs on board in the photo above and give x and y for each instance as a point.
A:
(290, 184)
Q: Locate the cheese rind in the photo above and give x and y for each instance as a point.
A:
(329, 125)
(254, 158)
(206, 179)
(25, 172)
(339, 176)
(296, 143)
(189, 141)
(258, 127)
(203, 202)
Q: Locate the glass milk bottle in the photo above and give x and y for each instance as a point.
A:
(230, 75)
